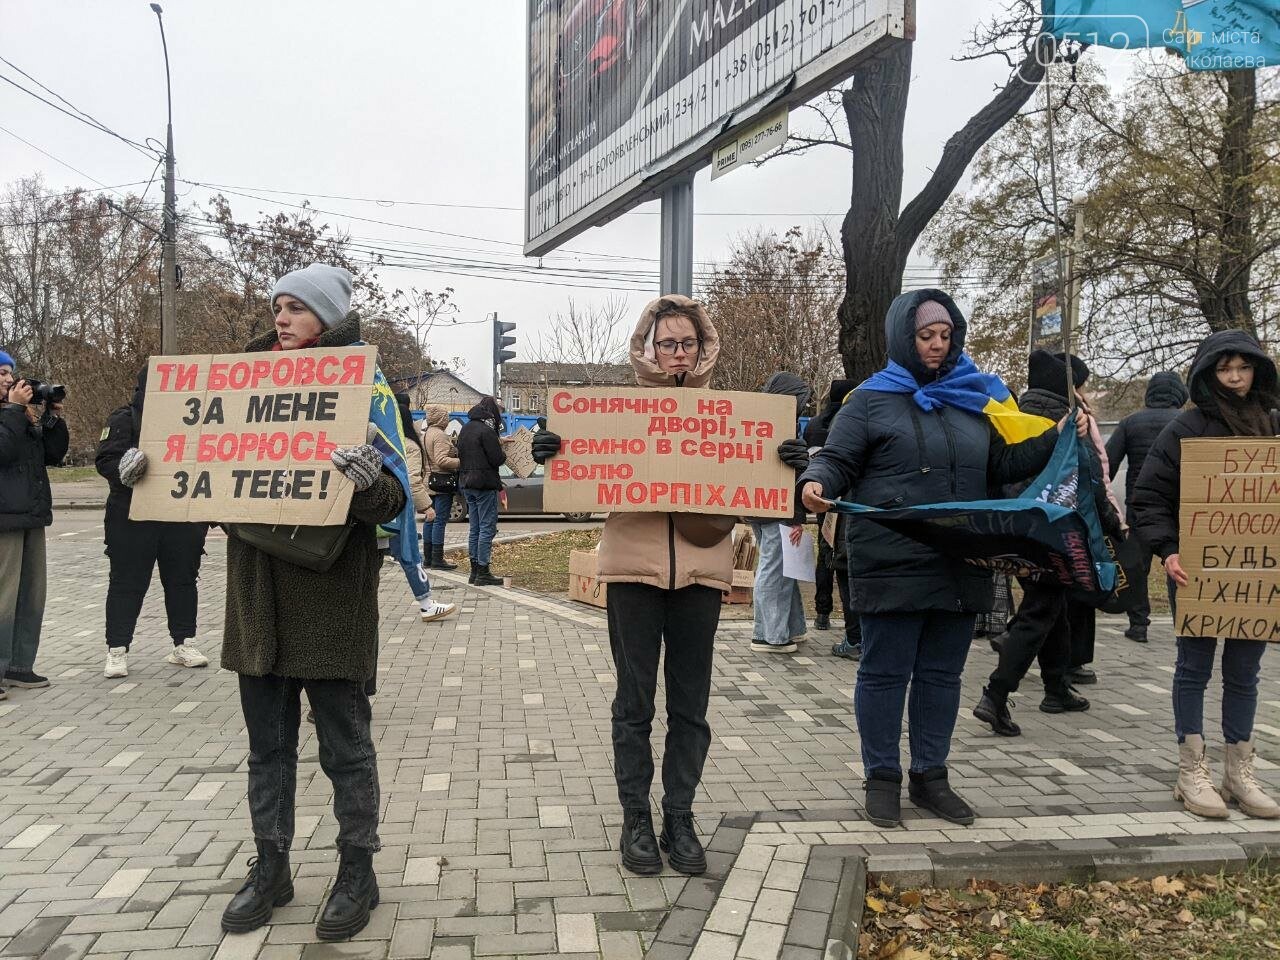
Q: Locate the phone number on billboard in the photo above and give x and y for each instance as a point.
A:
(785, 34)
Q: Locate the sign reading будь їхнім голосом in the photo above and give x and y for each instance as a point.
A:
(246, 437)
(625, 94)
(1229, 539)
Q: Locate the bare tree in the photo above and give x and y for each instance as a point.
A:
(592, 337)
(866, 119)
(419, 311)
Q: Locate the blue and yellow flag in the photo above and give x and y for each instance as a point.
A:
(965, 388)
(1209, 34)
(389, 440)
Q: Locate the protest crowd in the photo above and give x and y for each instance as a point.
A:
(928, 431)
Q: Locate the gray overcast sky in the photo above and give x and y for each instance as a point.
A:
(400, 100)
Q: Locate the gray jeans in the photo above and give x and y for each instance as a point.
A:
(272, 712)
(22, 593)
(779, 611)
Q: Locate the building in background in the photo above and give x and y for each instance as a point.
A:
(438, 386)
(525, 385)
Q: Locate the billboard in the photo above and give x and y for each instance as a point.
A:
(1046, 306)
(626, 94)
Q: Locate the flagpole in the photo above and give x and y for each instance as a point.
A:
(1063, 305)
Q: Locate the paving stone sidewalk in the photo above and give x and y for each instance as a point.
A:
(124, 828)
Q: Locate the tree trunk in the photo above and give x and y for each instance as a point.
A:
(1229, 307)
(875, 107)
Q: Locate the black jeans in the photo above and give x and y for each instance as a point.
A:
(1140, 616)
(272, 713)
(1040, 630)
(134, 547)
(827, 577)
(641, 618)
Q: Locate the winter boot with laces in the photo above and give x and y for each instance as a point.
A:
(354, 896)
(438, 562)
(679, 841)
(484, 578)
(475, 569)
(1195, 784)
(929, 789)
(1240, 783)
(1060, 698)
(268, 886)
(638, 846)
(994, 709)
(884, 798)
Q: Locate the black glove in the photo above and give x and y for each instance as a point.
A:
(545, 445)
(794, 454)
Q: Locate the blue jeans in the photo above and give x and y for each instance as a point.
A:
(443, 504)
(482, 517)
(928, 651)
(779, 613)
(413, 572)
(1241, 664)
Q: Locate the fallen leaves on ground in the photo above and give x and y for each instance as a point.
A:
(1167, 918)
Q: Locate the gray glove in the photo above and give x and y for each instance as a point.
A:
(133, 464)
(361, 465)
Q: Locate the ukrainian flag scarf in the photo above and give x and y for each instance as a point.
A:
(967, 388)
(389, 440)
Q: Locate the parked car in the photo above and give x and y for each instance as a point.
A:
(524, 496)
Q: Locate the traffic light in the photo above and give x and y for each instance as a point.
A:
(501, 342)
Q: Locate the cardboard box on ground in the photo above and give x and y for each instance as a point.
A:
(683, 451)
(1229, 539)
(584, 565)
(246, 438)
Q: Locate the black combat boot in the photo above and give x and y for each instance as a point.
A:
(354, 895)
(268, 886)
(484, 578)
(1060, 698)
(638, 846)
(438, 562)
(930, 790)
(475, 568)
(994, 709)
(679, 841)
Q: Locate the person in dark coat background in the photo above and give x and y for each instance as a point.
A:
(31, 441)
(135, 547)
(1234, 393)
(899, 445)
(1133, 438)
(480, 454)
(1049, 626)
(832, 560)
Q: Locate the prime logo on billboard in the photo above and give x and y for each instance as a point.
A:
(625, 93)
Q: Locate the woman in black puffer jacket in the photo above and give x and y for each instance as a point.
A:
(887, 449)
(480, 454)
(1233, 394)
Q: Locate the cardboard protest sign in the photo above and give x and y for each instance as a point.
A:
(519, 451)
(246, 438)
(1229, 539)
(671, 451)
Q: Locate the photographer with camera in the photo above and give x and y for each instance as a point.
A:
(33, 436)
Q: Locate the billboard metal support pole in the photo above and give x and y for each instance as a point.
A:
(677, 237)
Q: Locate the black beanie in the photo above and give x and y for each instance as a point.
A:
(1048, 371)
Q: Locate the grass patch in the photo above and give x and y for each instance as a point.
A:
(1219, 917)
(540, 564)
(72, 474)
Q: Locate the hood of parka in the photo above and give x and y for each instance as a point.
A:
(644, 355)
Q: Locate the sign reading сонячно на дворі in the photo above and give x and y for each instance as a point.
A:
(246, 437)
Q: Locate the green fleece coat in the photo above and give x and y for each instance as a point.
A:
(293, 622)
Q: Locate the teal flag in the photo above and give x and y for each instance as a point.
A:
(1209, 34)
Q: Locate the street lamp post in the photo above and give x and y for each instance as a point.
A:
(169, 247)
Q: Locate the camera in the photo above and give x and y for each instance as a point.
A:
(45, 393)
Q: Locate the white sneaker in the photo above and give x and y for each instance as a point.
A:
(117, 663)
(185, 655)
(433, 610)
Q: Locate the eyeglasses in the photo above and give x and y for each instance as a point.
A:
(668, 348)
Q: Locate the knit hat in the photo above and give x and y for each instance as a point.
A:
(324, 289)
(7, 361)
(931, 311)
(1048, 371)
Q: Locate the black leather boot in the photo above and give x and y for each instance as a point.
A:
(638, 846)
(438, 562)
(931, 791)
(1062, 699)
(354, 895)
(484, 578)
(994, 709)
(884, 798)
(679, 841)
(269, 885)
(475, 568)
